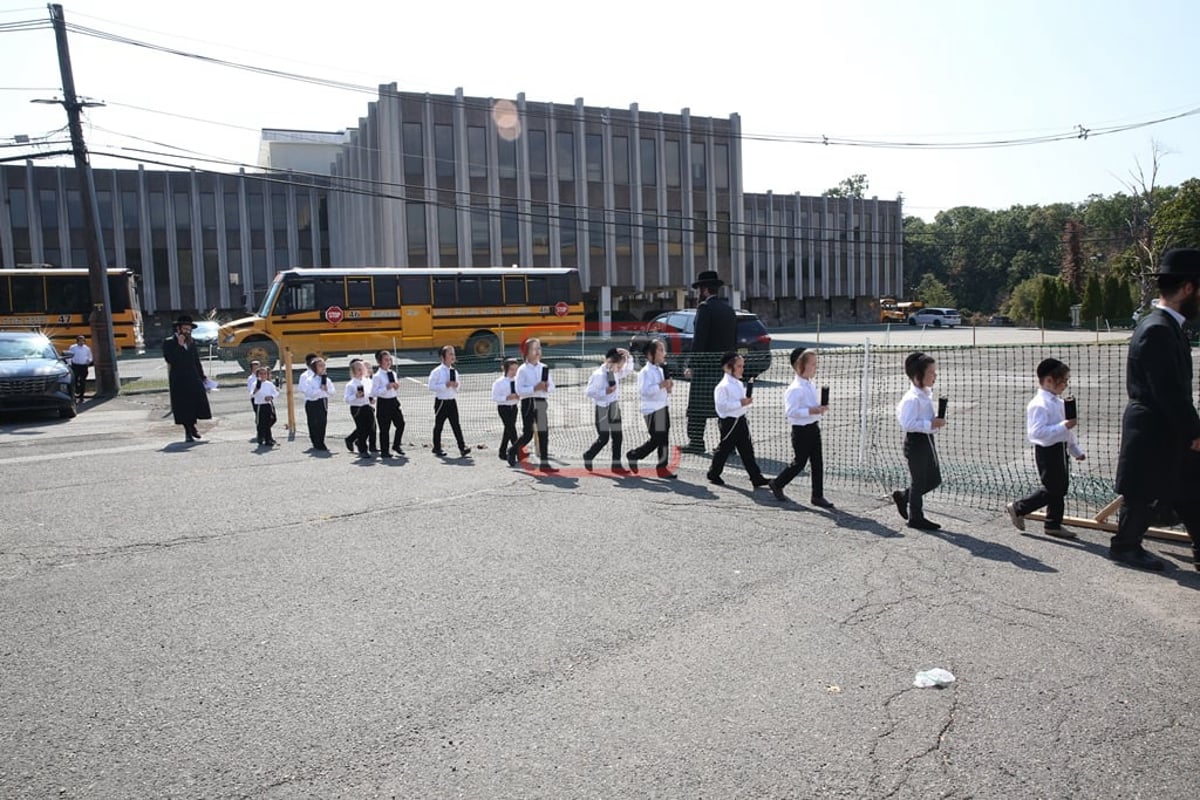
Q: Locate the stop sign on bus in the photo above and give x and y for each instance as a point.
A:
(561, 308)
(334, 315)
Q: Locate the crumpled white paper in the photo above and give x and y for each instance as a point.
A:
(933, 677)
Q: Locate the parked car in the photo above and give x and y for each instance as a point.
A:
(677, 328)
(1000, 320)
(33, 377)
(937, 317)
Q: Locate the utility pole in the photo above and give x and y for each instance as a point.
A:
(103, 345)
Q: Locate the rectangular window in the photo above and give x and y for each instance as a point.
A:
(565, 150)
(414, 291)
(468, 292)
(331, 292)
(254, 205)
(447, 223)
(279, 215)
(358, 293)
(674, 234)
(48, 205)
(594, 153)
(476, 152)
(539, 291)
(233, 221)
(514, 291)
(68, 296)
(413, 141)
(620, 159)
(490, 292)
(506, 153)
(18, 211)
(208, 211)
(510, 236)
(74, 208)
(385, 289)
(700, 236)
(699, 172)
(104, 204)
(596, 235)
(480, 235)
(624, 227)
(418, 250)
(28, 294)
(130, 213)
(721, 166)
(443, 150)
(537, 154)
(541, 230)
(444, 295)
(724, 243)
(649, 163)
(671, 162)
(567, 234)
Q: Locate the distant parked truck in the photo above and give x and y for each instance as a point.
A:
(891, 311)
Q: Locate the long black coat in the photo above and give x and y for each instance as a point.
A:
(189, 401)
(715, 335)
(1160, 420)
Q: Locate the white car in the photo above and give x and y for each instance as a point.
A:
(937, 317)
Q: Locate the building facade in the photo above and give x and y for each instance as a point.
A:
(638, 202)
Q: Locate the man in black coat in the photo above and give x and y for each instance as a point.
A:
(185, 376)
(1160, 424)
(715, 334)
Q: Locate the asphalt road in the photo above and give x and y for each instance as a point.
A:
(214, 621)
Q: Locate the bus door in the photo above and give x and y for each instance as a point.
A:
(416, 316)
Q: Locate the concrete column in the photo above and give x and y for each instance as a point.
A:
(605, 310)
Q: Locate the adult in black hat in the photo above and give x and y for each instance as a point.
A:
(1160, 425)
(715, 334)
(185, 376)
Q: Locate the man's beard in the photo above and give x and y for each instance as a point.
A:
(1190, 306)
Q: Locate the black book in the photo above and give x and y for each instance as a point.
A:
(1071, 408)
(666, 371)
(512, 387)
(943, 402)
(453, 375)
(391, 376)
(612, 379)
(545, 374)
(749, 388)
(824, 395)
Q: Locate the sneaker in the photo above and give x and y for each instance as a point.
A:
(1058, 531)
(1017, 520)
(901, 503)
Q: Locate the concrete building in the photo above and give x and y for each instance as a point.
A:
(640, 202)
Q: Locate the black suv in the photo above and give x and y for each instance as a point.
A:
(677, 328)
(32, 375)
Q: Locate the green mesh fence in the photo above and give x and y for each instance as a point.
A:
(986, 460)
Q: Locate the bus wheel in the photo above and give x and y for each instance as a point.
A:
(263, 351)
(483, 345)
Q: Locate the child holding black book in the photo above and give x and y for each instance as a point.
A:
(919, 421)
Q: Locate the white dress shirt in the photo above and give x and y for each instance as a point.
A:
(1046, 422)
(915, 411)
(653, 395)
(597, 387)
(311, 387)
(352, 396)
(501, 389)
(265, 394)
(80, 354)
(530, 375)
(727, 397)
(250, 383)
(798, 399)
(379, 384)
(438, 380)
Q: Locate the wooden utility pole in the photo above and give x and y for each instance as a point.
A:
(103, 345)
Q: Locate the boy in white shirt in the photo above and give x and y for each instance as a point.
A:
(654, 390)
(802, 408)
(504, 395)
(263, 394)
(603, 389)
(317, 387)
(919, 421)
(385, 388)
(80, 356)
(443, 382)
(250, 380)
(732, 404)
(358, 398)
(1053, 437)
(534, 385)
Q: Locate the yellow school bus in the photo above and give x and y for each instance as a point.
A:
(58, 302)
(335, 311)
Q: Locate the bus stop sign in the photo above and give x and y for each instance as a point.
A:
(561, 308)
(334, 315)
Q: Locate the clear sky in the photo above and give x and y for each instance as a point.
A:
(925, 71)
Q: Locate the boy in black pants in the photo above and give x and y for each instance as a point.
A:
(1053, 436)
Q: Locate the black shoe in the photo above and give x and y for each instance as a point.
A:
(320, 448)
(399, 450)
(665, 474)
(778, 492)
(922, 524)
(714, 479)
(511, 458)
(1058, 531)
(760, 482)
(618, 469)
(464, 452)
(385, 455)
(587, 463)
(821, 502)
(364, 453)
(632, 462)
(196, 433)
(503, 455)
(901, 503)
(350, 444)
(545, 467)
(1138, 558)
(189, 438)
(1018, 521)
(373, 449)
(439, 452)
(272, 443)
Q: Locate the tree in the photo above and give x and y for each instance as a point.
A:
(1093, 301)
(1118, 300)
(933, 292)
(1021, 303)
(1072, 257)
(855, 186)
(1177, 222)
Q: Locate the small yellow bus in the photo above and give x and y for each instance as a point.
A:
(58, 302)
(335, 311)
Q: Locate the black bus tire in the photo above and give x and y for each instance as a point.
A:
(264, 351)
(482, 344)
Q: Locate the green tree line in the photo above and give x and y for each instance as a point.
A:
(1034, 262)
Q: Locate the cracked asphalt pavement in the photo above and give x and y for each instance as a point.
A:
(211, 621)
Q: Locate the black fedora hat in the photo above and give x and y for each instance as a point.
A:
(1180, 261)
(183, 319)
(708, 277)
